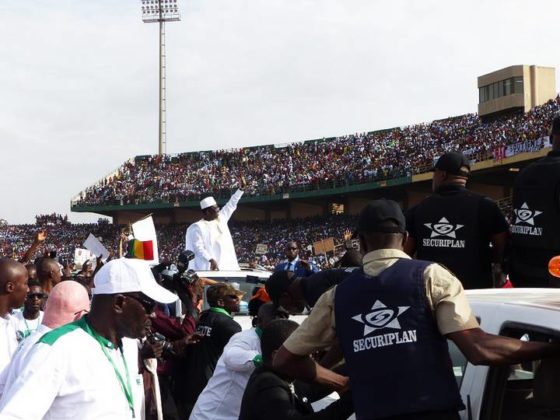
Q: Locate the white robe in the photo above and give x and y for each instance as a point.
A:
(212, 240)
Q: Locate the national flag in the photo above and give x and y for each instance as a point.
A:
(142, 250)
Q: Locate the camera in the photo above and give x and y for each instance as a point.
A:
(156, 338)
(172, 275)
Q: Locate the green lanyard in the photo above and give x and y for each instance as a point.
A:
(219, 310)
(259, 331)
(103, 342)
(28, 330)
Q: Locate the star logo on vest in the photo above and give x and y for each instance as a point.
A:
(380, 317)
(443, 228)
(526, 215)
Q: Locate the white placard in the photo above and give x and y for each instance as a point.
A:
(81, 256)
(144, 230)
(96, 247)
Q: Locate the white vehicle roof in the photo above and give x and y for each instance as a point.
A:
(234, 274)
(537, 298)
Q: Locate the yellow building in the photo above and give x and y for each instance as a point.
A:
(515, 88)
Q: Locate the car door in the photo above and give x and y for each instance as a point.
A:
(519, 392)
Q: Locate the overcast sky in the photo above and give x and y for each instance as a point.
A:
(79, 93)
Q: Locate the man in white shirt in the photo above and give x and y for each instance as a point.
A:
(29, 319)
(210, 238)
(221, 398)
(87, 370)
(67, 302)
(13, 290)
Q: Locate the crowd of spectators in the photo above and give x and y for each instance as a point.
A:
(51, 219)
(318, 164)
(66, 238)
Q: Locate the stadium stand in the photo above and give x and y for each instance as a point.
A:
(317, 164)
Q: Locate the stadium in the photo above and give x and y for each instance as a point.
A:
(314, 189)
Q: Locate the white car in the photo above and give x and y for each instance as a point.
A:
(526, 391)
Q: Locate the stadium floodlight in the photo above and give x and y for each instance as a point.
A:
(161, 11)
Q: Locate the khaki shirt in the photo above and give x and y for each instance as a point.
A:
(444, 292)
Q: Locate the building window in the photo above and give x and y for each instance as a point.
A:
(518, 85)
(502, 88)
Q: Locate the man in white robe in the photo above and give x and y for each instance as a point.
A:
(210, 239)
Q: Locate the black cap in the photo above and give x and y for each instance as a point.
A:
(384, 216)
(278, 284)
(454, 163)
(555, 129)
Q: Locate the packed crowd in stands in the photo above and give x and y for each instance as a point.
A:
(51, 219)
(65, 238)
(320, 164)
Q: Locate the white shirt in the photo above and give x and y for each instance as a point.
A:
(221, 398)
(12, 371)
(8, 342)
(70, 377)
(24, 327)
(212, 239)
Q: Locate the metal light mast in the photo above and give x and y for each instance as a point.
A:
(161, 11)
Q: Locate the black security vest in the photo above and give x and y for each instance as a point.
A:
(536, 212)
(447, 231)
(397, 360)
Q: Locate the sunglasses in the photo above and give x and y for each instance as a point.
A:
(293, 247)
(148, 304)
(35, 295)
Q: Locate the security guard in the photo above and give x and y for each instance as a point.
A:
(392, 318)
(455, 227)
(535, 230)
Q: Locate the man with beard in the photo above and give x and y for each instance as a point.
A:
(85, 369)
(210, 238)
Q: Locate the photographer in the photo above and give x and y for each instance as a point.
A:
(170, 335)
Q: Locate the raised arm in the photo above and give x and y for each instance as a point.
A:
(230, 206)
(39, 239)
(481, 348)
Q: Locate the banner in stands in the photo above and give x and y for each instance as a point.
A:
(261, 249)
(324, 246)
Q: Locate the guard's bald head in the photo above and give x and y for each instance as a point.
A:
(47, 268)
(9, 270)
(67, 302)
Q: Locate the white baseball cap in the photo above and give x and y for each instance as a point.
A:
(207, 202)
(126, 275)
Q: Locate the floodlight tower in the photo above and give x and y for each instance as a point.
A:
(161, 11)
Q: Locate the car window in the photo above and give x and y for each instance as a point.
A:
(246, 284)
(524, 391)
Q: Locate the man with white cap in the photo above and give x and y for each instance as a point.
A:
(85, 370)
(210, 239)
